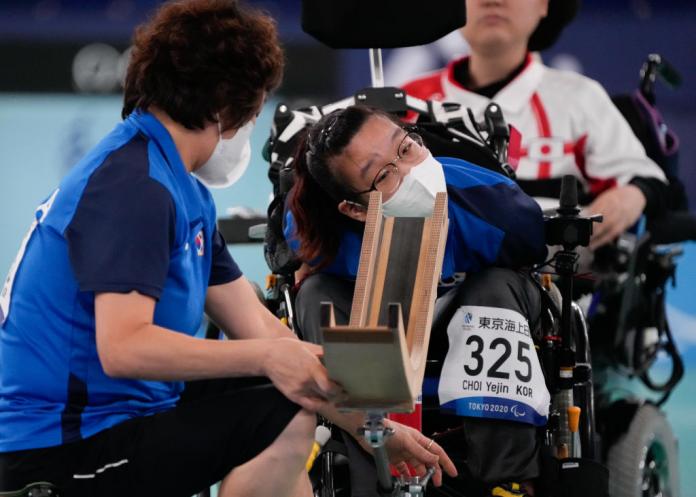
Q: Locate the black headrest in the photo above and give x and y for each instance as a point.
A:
(560, 13)
(381, 23)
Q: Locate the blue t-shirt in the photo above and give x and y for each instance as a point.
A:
(127, 217)
(492, 222)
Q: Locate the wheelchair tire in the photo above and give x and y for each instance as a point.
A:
(644, 460)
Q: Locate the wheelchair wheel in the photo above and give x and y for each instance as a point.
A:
(643, 462)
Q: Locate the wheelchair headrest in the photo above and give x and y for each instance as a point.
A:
(560, 13)
(380, 23)
(405, 23)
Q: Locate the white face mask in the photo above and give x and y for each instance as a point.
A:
(229, 159)
(416, 195)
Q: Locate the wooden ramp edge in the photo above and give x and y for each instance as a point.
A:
(381, 364)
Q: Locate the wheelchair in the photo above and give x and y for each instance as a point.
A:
(627, 446)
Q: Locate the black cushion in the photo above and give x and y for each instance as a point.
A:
(381, 23)
(560, 13)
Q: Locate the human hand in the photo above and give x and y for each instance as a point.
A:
(294, 368)
(621, 207)
(409, 447)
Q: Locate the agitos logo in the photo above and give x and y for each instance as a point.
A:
(518, 411)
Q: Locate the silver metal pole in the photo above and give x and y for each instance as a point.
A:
(376, 69)
(375, 434)
(382, 466)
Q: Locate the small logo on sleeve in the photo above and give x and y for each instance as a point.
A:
(200, 244)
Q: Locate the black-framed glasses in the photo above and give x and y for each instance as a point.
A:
(388, 179)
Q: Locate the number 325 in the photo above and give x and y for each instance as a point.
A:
(494, 371)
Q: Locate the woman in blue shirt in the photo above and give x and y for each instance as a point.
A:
(98, 313)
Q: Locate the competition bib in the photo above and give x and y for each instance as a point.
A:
(491, 369)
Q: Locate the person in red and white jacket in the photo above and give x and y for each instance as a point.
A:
(568, 123)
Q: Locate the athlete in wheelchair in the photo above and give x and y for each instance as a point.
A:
(356, 150)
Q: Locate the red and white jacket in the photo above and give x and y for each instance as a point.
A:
(568, 124)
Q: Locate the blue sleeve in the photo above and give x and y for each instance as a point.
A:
(224, 268)
(289, 231)
(492, 221)
(123, 228)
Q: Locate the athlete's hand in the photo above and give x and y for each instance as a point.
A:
(294, 368)
(621, 207)
(408, 446)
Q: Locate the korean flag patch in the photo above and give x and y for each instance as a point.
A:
(200, 244)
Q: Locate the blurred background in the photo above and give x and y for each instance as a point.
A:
(60, 81)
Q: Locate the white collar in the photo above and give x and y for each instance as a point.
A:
(512, 98)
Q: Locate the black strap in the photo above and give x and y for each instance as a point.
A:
(670, 347)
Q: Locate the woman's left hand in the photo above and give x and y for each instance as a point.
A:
(408, 446)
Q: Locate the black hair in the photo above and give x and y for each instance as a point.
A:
(200, 59)
(319, 188)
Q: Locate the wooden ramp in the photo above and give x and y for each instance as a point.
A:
(379, 357)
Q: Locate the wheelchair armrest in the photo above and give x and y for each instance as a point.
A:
(673, 227)
(238, 229)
